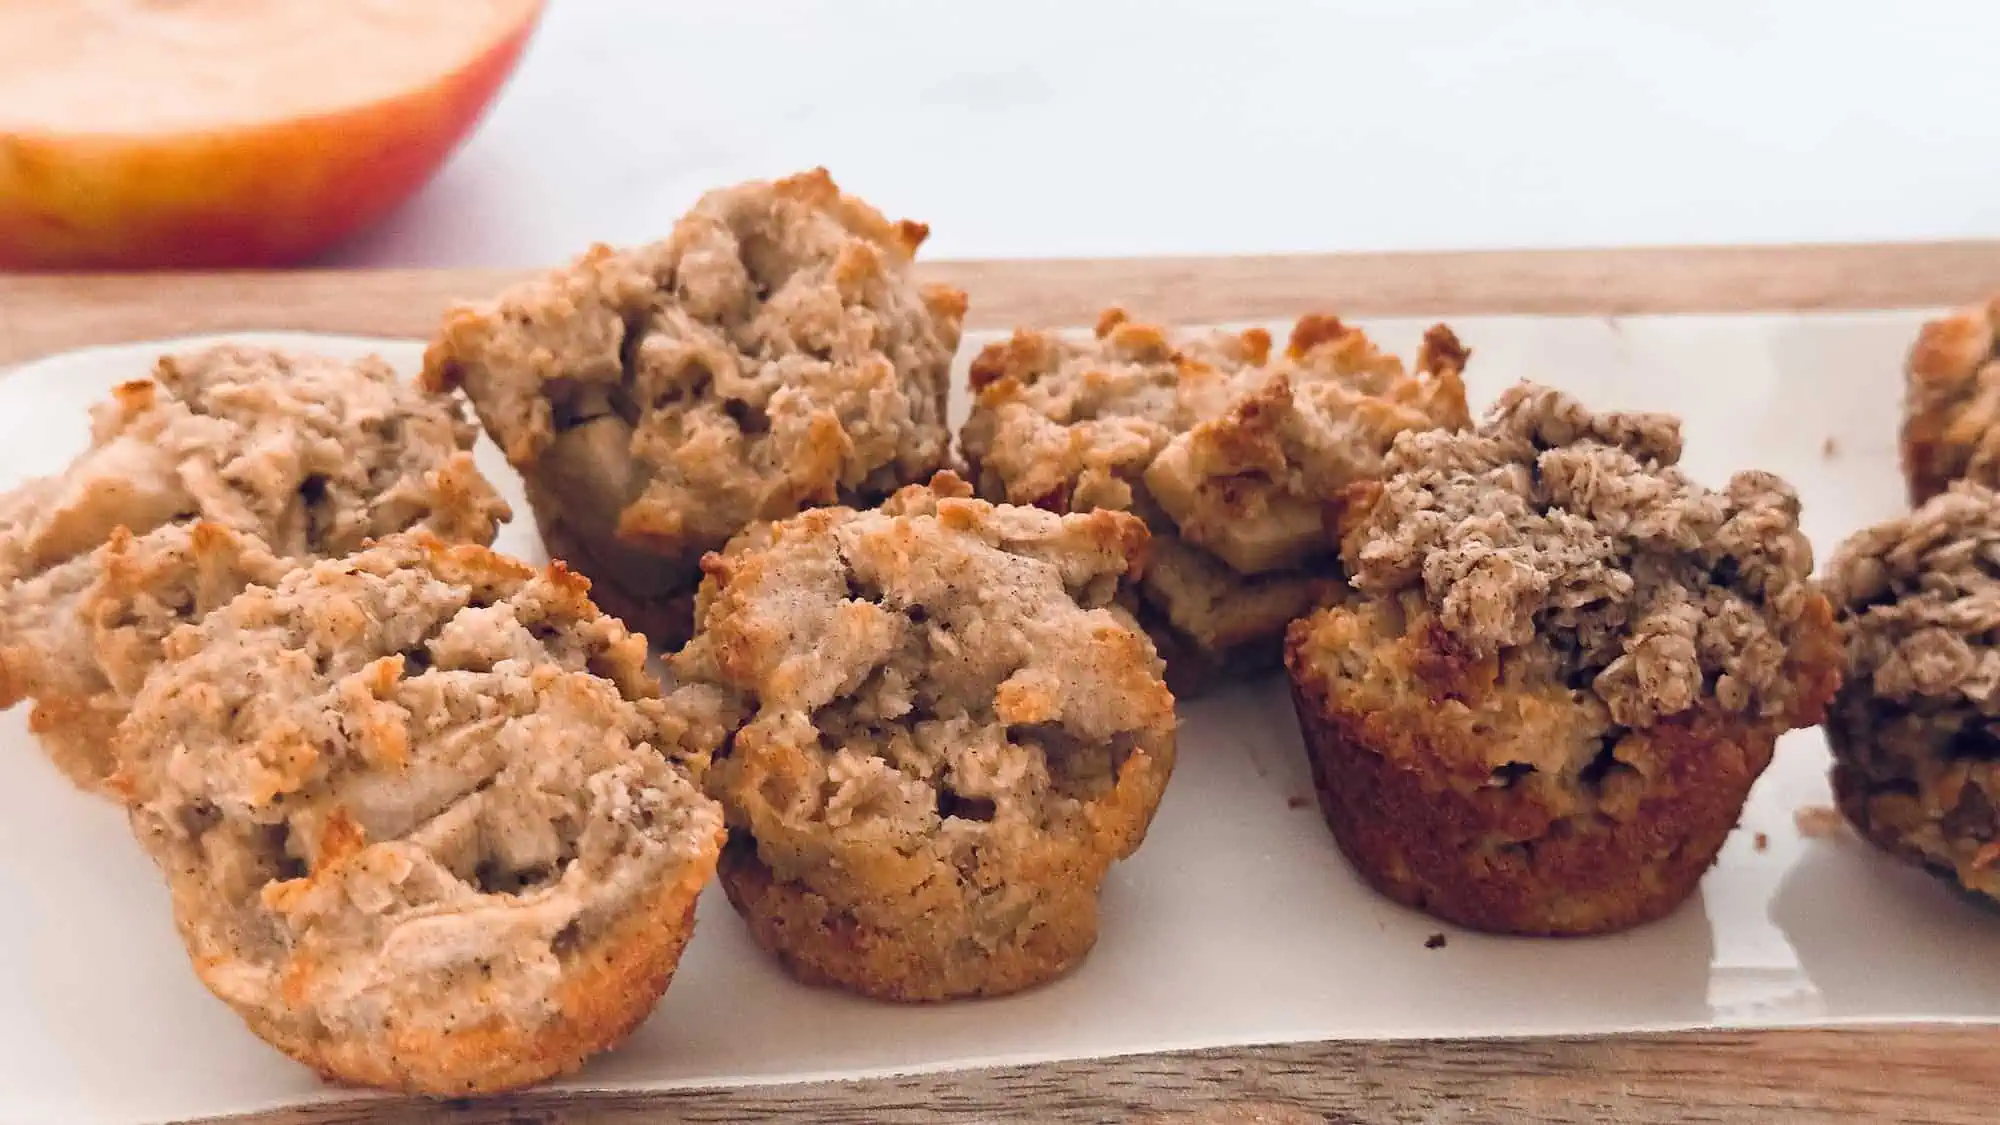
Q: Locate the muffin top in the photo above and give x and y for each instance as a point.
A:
(1571, 542)
(1239, 450)
(772, 352)
(147, 586)
(197, 482)
(82, 636)
(1951, 425)
(930, 690)
(1251, 485)
(1071, 424)
(412, 788)
(1919, 599)
(309, 454)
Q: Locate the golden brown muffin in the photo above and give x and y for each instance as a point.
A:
(945, 737)
(1565, 665)
(1951, 403)
(228, 467)
(774, 352)
(1915, 729)
(428, 824)
(1230, 455)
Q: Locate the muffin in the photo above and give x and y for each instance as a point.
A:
(1229, 454)
(1915, 729)
(771, 354)
(1951, 404)
(1565, 664)
(427, 822)
(227, 467)
(944, 736)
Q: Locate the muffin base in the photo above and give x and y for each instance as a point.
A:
(667, 620)
(1429, 844)
(1944, 818)
(609, 990)
(1194, 671)
(820, 945)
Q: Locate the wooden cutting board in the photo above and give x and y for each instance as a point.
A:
(1934, 1073)
(44, 314)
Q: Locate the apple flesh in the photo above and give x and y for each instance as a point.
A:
(287, 159)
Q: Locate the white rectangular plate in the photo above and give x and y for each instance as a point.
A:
(1237, 923)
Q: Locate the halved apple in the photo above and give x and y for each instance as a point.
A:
(223, 133)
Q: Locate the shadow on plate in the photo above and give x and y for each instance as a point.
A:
(1880, 939)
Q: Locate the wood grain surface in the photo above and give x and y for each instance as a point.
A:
(1933, 1076)
(40, 314)
(1944, 1075)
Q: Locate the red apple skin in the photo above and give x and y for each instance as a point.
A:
(265, 195)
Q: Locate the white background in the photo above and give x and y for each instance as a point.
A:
(1021, 128)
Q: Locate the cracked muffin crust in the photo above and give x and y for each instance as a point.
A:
(84, 634)
(945, 737)
(1915, 728)
(1230, 454)
(428, 823)
(225, 468)
(771, 354)
(1951, 403)
(1564, 667)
